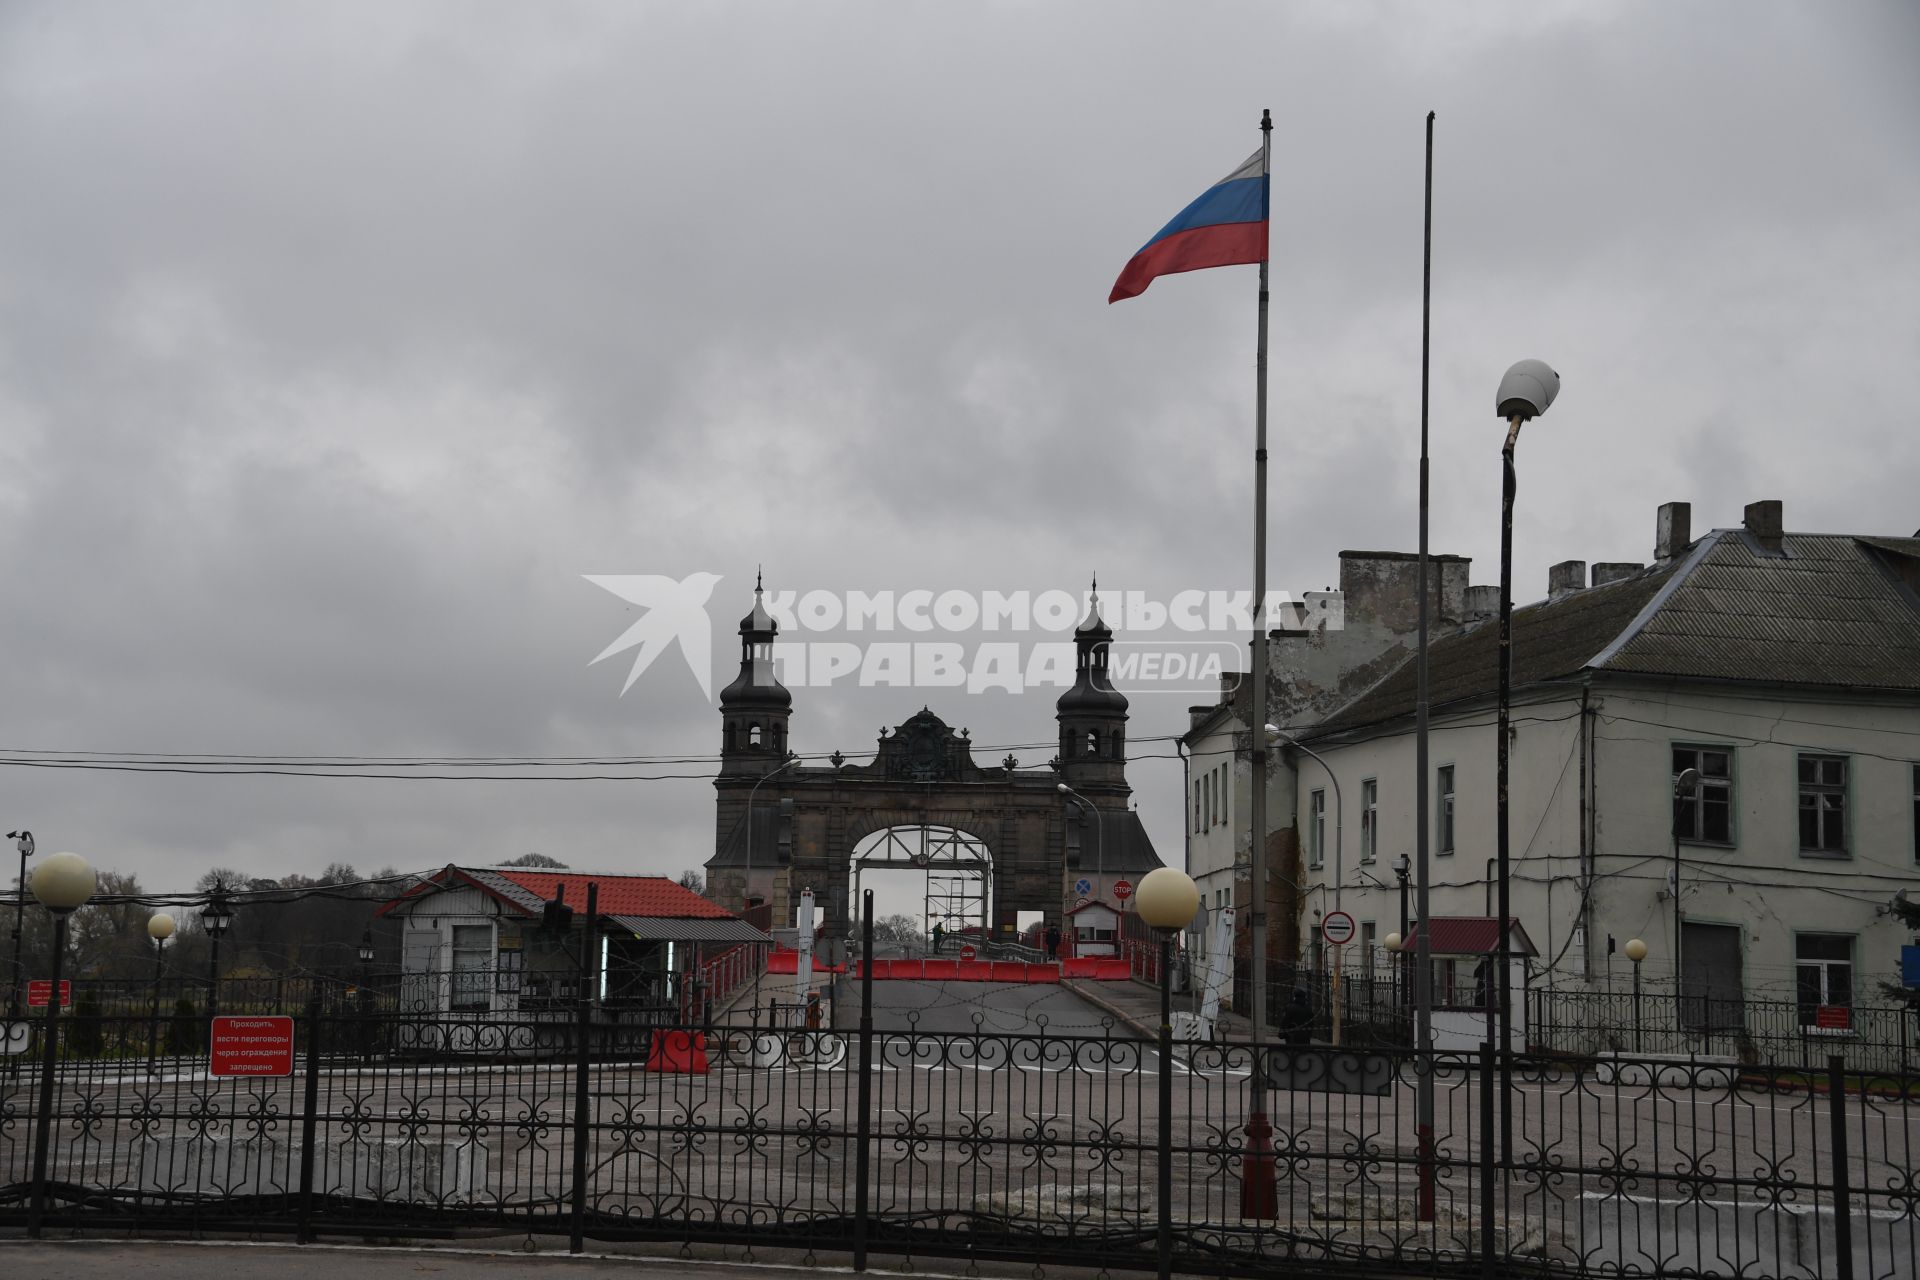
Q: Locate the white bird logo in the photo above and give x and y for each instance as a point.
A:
(674, 611)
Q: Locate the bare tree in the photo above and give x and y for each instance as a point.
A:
(692, 880)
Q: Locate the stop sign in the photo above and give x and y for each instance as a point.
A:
(1122, 889)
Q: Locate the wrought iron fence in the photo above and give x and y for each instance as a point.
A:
(1039, 1147)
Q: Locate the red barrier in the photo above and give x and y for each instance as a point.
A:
(678, 1053)
(1008, 970)
(789, 962)
(1108, 970)
(948, 970)
(1080, 966)
(1043, 973)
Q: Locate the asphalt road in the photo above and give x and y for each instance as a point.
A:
(950, 1008)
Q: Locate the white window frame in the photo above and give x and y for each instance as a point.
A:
(1369, 819)
(1317, 830)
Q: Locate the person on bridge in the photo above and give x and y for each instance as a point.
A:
(1053, 941)
(938, 933)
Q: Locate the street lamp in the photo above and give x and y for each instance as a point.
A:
(746, 885)
(1526, 391)
(1099, 838)
(366, 998)
(216, 918)
(1636, 951)
(1166, 901)
(1393, 942)
(62, 883)
(159, 927)
(23, 841)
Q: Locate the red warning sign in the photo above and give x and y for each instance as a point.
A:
(251, 1046)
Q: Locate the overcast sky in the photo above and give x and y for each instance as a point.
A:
(338, 341)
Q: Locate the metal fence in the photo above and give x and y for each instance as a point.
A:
(1037, 1147)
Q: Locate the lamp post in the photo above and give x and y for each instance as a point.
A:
(159, 927)
(746, 886)
(1166, 901)
(1636, 951)
(1402, 867)
(23, 841)
(62, 884)
(216, 918)
(1099, 838)
(1526, 391)
(366, 994)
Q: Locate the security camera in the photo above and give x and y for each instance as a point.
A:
(1526, 391)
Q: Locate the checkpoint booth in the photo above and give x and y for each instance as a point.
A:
(1093, 930)
(1465, 954)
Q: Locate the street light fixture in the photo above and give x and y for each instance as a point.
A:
(62, 883)
(1402, 867)
(23, 841)
(1099, 839)
(160, 927)
(1166, 900)
(1636, 951)
(1526, 390)
(216, 918)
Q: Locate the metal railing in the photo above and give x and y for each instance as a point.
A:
(1038, 1147)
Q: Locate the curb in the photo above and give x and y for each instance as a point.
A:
(1140, 1029)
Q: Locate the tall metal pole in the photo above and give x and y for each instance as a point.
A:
(1257, 1188)
(153, 1027)
(1422, 947)
(1164, 1229)
(1504, 953)
(43, 1122)
(15, 1002)
(582, 1115)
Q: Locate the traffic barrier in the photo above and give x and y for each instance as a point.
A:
(938, 969)
(678, 1053)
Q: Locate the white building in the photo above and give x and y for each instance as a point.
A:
(1783, 667)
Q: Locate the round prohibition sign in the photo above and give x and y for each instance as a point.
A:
(1337, 928)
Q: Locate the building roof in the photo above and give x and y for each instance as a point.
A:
(683, 929)
(1469, 936)
(1827, 610)
(528, 891)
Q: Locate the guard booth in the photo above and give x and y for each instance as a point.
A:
(1466, 989)
(1093, 930)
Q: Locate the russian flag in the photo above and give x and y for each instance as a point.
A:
(1225, 227)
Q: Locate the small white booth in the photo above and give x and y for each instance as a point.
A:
(1096, 929)
(1465, 955)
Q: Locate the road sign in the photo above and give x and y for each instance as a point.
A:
(1083, 887)
(966, 953)
(1337, 928)
(40, 992)
(1122, 889)
(251, 1046)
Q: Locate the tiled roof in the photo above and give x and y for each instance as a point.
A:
(1469, 936)
(654, 897)
(1828, 610)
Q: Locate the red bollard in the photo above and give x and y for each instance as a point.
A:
(1258, 1198)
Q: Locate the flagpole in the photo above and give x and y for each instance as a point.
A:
(1257, 1193)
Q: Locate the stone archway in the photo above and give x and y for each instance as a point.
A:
(792, 826)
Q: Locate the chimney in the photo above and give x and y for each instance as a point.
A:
(1483, 602)
(1672, 530)
(1763, 522)
(1566, 578)
(1606, 571)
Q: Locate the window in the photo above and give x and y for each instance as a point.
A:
(1823, 968)
(1226, 784)
(1196, 806)
(472, 959)
(1369, 819)
(753, 735)
(1093, 742)
(1219, 793)
(1317, 829)
(1443, 811)
(1206, 807)
(1823, 805)
(1366, 949)
(1916, 813)
(1706, 816)
(506, 978)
